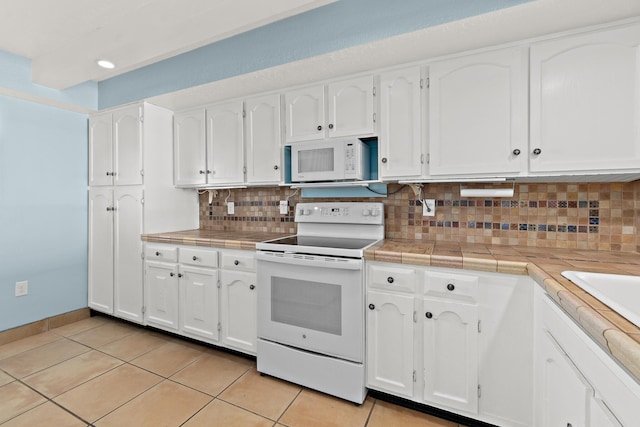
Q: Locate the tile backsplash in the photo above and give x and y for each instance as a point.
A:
(603, 216)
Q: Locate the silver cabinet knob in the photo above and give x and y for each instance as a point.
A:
(236, 262)
(390, 279)
(179, 274)
(537, 151)
(201, 172)
(372, 307)
(319, 127)
(252, 287)
(171, 274)
(428, 315)
(451, 287)
(330, 125)
(195, 258)
(516, 152)
(276, 167)
(383, 160)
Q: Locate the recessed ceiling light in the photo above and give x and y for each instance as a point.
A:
(105, 64)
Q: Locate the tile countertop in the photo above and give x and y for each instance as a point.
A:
(611, 331)
(544, 265)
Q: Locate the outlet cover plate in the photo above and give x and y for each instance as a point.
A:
(231, 208)
(429, 207)
(284, 207)
(22, 288)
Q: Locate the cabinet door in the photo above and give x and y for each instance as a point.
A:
(600, 415)
(478, 114)
(564, 392)
(127, 145)
(239, 310)
(225, 143)
(401, 153)
(585, 102)
(350, 107)
(101, 250)
(100, 150)
(199, 302)
(161, 295)
(305, 115)
(390, 329)
(128, 268)
(263, 140)
(450, 351)
(189, 148)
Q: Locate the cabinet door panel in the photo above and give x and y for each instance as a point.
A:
(351, 107)
(199, 302)
(101, 250)
(161, 295)
(225, 143)
(127, 134)
(478, 114)
(100, 150)
(304, 114)
(400, 148)
(450, 349)
(263, 139)
(390, 346)
(585, 102)
(189, 148)
(239, 310)
(128, 271)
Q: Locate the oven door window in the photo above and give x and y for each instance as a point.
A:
(310, 305)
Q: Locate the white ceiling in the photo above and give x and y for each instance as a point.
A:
(64, 38)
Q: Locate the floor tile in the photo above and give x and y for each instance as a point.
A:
(213, 372)
(389, 415)
(167, 359)
(25, 344)
(266, 396)
(71, 373)
(37, 359)
(16, 398)
(134, 345)
(314, 409)
(47, 414)
(222, 414)
(167, 404)
(103, 334)
(96, 398)
(5, 378)
(82, 325)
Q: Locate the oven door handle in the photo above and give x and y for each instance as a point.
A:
(310, 260)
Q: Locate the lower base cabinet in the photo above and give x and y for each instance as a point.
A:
(203, 293)
(457, 340)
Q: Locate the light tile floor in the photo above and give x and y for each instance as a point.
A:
(102, 372)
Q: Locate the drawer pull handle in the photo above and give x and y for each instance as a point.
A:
(372, 307)
(157, 253)
(428, 315)
(390, 279)
(451, 287)
(252, 287)
(171, 274)
(195, 258)
(236, 262)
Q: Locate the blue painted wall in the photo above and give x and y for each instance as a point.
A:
(339, 25)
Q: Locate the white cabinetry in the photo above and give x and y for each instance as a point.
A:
(225, 143)
(263, 137)
(478, 114)
(190, 154)
(401, 150)
(115, 147)
(126, 206)
(343, 108)
(585, 103)
(459, 341)
(161, 295)
(576, 382)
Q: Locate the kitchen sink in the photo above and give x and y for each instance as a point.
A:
(620, 292)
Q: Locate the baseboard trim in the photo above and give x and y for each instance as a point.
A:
(43, 325)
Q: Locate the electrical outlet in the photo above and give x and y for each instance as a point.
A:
(284, 207)
(231, 208)
(22, 288)
(429, 207)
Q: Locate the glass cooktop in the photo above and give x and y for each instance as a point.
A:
(323, 242)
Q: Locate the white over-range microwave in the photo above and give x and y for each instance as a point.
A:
(329, 160)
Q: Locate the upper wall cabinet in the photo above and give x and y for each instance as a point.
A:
(585, 103)
(478, 114)
(263, 138)
(189, 150)
(344, 108)
(115, 147)
(401, 149)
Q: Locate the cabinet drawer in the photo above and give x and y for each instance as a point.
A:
(161, 253)
(449, 285)
(199, 257)
(238, 261)
(392, 278)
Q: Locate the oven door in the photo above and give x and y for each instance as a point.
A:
(312, 302)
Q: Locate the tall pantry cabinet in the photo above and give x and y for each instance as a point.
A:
(131, 192)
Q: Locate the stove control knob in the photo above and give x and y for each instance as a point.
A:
(307, 212)
(375, 212)
(366, 212)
